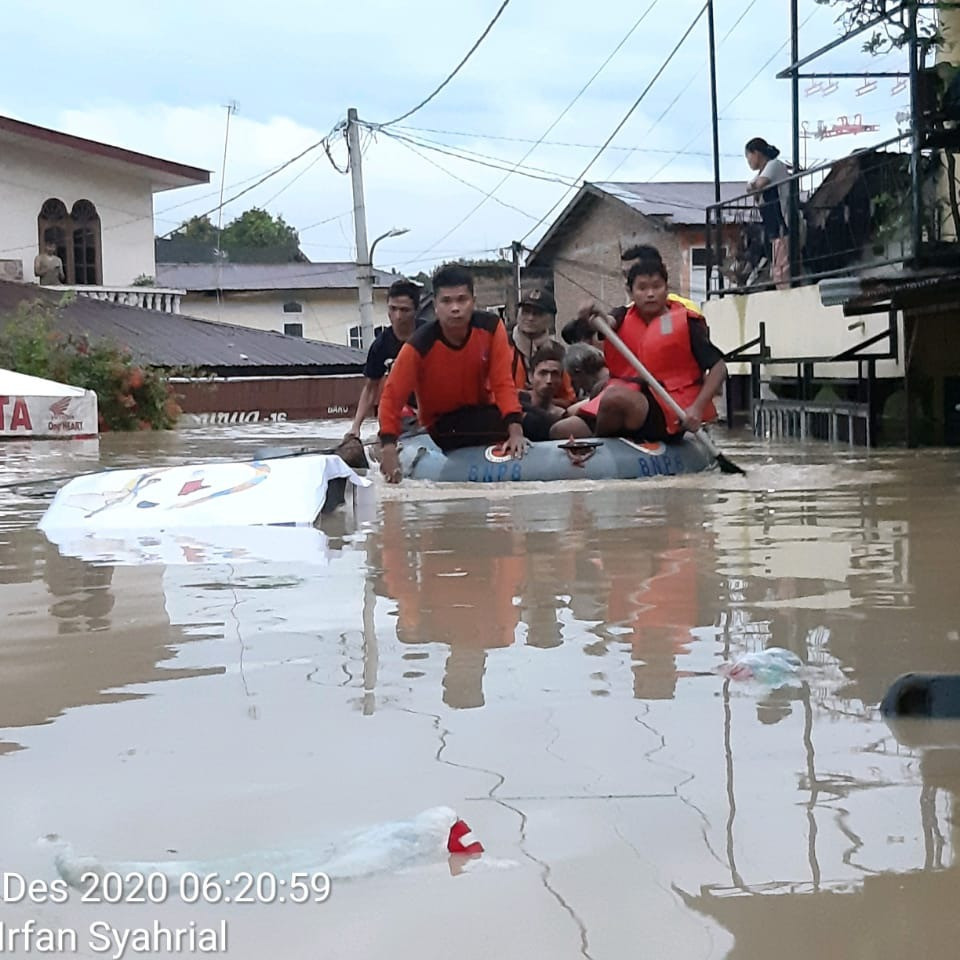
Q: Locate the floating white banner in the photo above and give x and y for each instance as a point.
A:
(287, 491)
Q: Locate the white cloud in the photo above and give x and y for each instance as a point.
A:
(295, 75)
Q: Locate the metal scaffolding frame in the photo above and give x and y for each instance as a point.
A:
(917, 52)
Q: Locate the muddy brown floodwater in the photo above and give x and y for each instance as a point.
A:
(543, 659)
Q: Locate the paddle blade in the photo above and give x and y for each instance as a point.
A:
(728, 466)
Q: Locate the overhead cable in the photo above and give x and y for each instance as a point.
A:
(731, 102)
(546, 133)
(683, 90)
(626, 117)
(450, 76)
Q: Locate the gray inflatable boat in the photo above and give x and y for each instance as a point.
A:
(594, 459)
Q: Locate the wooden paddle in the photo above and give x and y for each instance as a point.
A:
(602, 324)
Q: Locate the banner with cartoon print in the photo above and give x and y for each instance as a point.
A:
(285, 490)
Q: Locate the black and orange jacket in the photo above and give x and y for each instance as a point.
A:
(446, 378)
(521, 377)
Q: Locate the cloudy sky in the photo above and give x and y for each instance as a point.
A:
(156, 78)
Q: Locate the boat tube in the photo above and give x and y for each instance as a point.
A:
(604, 458)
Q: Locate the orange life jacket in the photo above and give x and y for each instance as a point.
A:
(663, 347)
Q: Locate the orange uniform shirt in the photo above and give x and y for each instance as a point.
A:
(446, 378)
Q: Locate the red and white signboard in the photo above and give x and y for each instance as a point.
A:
(33, 407)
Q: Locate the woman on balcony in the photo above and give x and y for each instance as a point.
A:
(773, 197)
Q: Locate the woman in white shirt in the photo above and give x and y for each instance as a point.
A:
(773, 196)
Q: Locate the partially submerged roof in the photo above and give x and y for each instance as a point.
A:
(676, 203)
(163, 174)
(197, 277)
(175, 340)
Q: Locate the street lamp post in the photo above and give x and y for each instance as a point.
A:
(365, 280)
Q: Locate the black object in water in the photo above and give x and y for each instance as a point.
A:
(935, 695)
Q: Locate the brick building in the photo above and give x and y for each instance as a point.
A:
(583, 246)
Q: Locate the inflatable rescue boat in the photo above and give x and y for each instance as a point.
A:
(605, 458)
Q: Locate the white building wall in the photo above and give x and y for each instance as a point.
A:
(327, 315)
(124, 202)
(797, 325)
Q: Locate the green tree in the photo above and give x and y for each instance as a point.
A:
(256, 236)
(197, 230)
(130, 396)
(253, 237)
(888, 34)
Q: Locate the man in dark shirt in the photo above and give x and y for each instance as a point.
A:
(403, 299)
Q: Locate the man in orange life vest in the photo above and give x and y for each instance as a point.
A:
(673, 343)
(459, 368)
(535, 314)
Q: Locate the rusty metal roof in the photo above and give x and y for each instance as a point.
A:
(194, 277)
(679, 203)
(173, 340)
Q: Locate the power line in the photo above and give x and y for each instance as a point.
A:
(476, 135)
(203, 196)
(736, 97)
(467, 154)
(320, 223)
(456, 70)
(626, 117)
(492, 163)
(253, 186)
(466, 183)
(546, 132)
(290, 183)
(683, 90)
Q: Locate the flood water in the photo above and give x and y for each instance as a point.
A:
(541, 658)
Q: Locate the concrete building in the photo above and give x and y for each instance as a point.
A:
(582, 248)
(318, 301)
(94, 200)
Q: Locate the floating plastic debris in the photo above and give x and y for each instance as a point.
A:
(384, 848)
(774, 666)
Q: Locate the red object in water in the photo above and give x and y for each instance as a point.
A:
(462, 839)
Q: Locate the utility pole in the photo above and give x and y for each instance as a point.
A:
(793, 221)
(515, 249)
(716, 155)
(231, 109)
(364, 267)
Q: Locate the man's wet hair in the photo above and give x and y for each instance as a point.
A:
(452, 275)
(647, 267)
(584, 358)
(640, 251)
(405, 288)
(549, 351)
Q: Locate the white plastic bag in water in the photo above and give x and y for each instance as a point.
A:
(384, 848)
(773, 666)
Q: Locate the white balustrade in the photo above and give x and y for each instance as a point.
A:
(161, 299)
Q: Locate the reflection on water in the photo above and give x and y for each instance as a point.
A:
(547, 663)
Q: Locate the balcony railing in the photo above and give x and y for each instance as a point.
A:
(855, 215)
(161, 299)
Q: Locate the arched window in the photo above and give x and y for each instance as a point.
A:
(53, 227)
(85, 222)
(77, 236)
